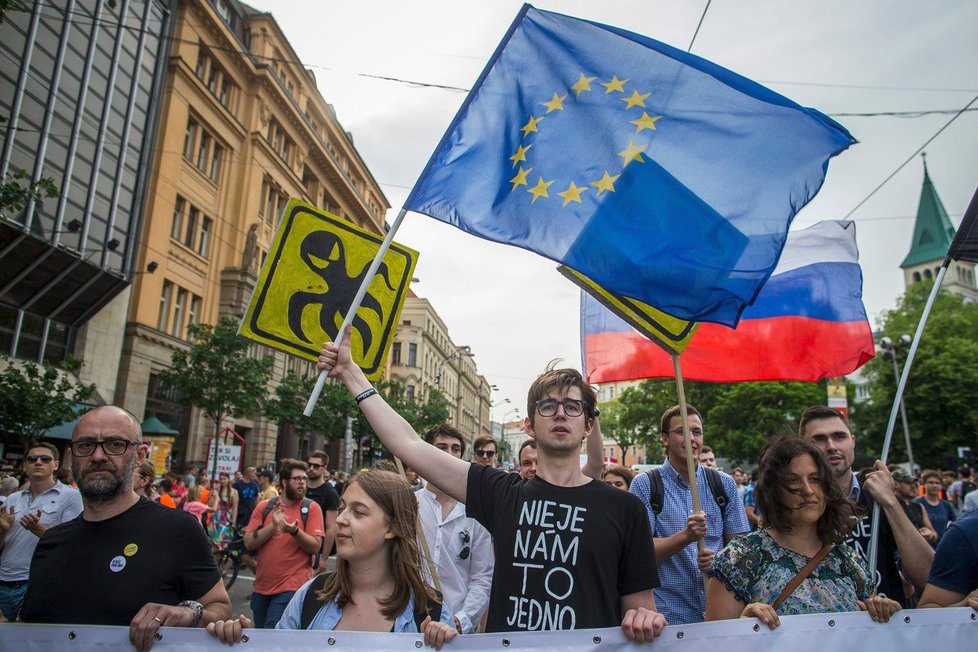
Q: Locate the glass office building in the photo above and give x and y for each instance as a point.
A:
(79, 88)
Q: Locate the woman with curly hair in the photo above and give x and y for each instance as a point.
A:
(379, 584)
(806, 518)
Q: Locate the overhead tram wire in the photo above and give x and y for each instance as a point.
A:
(698, 25)
(911, 157)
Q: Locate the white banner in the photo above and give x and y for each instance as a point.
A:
(228, 458)
(947, 630)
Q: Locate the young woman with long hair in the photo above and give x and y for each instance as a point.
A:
(226, 502)
(805, 514)
(379, 583)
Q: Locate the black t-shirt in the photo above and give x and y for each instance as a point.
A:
(247, 497)
(103, 572)
(564, 555)
(887, 557)
(326, 496)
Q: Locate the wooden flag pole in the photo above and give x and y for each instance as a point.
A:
(688, 442)
(897, 401)
(351, 313)
(422, 538)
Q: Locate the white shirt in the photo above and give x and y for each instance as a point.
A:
(465, 583)
(58, 504)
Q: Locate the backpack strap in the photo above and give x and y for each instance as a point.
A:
(715, 480)
(310, 601)
(269, 506)
(656, 490)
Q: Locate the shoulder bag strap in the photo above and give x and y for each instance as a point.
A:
(802, 574)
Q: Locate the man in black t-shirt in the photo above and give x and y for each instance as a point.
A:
(248, 489)
(323, 493)
(571, 552)
(125, 560)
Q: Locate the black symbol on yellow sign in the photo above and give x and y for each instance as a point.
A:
(314, 268)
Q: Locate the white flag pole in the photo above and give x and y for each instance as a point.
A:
(891, 424)
(367, 279)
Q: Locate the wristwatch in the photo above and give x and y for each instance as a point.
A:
(198, 611)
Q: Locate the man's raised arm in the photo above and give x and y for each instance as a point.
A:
(446, 471)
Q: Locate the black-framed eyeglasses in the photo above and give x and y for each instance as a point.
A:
(299, 478)
(486, 453)
(86, 447)
(466, 551)
(46, 459)
(547, 407)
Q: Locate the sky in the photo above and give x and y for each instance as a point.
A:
(511, 306)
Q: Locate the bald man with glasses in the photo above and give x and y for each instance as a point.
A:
(126, 561)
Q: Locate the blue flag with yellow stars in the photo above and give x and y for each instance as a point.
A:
(657, 174)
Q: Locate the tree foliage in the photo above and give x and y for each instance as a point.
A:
(941, 388)
(421, 414)
(34, 398)
(329, 418)
(217, 374)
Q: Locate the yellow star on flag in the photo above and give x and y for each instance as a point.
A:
(540, 190)
(632, 153)
(573, 193)
(582, 84)
(645, 122)
(530, 126)
(520, 178)
(614, 85)
(637, 99)
(556, 104)
(607, 182)
(520, 154)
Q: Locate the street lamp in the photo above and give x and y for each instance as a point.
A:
(890, 353)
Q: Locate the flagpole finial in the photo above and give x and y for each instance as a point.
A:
(923, 157)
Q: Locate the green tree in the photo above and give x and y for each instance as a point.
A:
(217, 374)
(34, 398)
(329, 417)
(943, 381)
(745, 415)
(421, 414)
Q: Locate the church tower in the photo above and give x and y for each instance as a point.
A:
(932, 236)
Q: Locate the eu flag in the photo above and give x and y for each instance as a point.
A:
(659, 175)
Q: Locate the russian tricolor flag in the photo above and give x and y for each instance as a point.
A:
(807, 323)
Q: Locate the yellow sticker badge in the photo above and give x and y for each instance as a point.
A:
(130, 550)
(309, 280)
(670, 333)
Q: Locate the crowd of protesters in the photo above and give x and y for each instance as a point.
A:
(446, 547)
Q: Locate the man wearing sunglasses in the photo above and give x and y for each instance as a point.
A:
(126, 561)
(484, 451)
(25, 517)
(459, 546)
(571, 552)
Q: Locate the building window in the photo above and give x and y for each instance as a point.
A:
(204, 238)
(191, 230)
(178, 208)
(410, 393)
(396, 353)
(176, 328)
(165, 298)
(412, 355)
(189, 138)
(194, 313)
(216, 156)
(280, 141)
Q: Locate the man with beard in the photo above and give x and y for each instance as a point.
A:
(26, 516)
(126, 560)
(325, 495)
(289, 531)
(902, 550)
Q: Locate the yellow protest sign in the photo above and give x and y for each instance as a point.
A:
(314, 268)
(668, 332)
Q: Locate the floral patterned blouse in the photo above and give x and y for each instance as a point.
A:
(755, 568)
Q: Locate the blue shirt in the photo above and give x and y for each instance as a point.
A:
(330, 613)
(681, 598)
